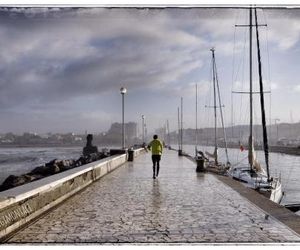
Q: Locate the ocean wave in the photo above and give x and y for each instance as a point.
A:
(18, 159)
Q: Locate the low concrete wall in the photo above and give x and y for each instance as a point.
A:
(138, 152)
(22, 204)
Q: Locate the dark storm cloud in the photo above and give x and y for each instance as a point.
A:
(47, 56)
(50, 58)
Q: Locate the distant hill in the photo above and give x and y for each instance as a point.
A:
(282, 134)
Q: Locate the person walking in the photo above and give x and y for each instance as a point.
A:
(156, 147)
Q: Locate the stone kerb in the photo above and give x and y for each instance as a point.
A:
(139, 151)
(22, 204)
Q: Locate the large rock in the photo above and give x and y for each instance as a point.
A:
(66, 164)
(81, 161)
(42, 170)
(52, 167)
(14, 181)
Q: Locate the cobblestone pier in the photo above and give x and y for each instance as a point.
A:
(180, 206)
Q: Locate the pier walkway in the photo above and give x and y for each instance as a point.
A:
(181, 206)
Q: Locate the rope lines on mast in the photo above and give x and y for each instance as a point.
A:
(208, 101)
(217, 98)
(238, 71)
(232, 77)
(265, 136)
(221, 112)
(269, 72)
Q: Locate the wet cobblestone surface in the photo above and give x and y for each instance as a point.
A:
(181, 206)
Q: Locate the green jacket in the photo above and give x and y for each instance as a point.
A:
(156, 147)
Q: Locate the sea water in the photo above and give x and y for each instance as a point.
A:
(21, 160)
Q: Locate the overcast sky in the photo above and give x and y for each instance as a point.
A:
(62, 69)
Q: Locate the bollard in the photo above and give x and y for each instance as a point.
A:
(200, 164)
(130, 155)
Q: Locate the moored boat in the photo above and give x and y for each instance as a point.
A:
(253, 175)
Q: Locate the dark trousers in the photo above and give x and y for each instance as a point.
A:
(155, 160)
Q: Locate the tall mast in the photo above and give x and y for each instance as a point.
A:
(168, 134)
(262, 103)
(196, 136)
(181, 134)
(179, 148)
(220, 106)
(215, 102)
(251, 147)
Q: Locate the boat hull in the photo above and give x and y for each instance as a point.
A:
(259, 182)
(276, 192)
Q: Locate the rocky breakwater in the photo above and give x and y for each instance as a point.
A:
(53, 167)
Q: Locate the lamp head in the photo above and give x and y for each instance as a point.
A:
(123, 90)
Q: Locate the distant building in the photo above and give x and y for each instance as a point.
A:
(130, 129)
(114, 134)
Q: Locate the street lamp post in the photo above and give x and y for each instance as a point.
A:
(123, 92)
(277, 120)
(143, 129)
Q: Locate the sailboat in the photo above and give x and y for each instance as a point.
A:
(215, 164)
(253, 175)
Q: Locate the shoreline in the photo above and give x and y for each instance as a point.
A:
(272, 149)
(52, 146)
